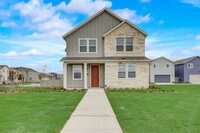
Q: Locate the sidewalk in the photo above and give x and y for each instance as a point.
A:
(93, 115)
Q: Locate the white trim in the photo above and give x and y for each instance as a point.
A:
(191, 65)
(87, 45)
(91, 73)
(125, 21)
(73, 72)
(102, 61)
(156, 65)
(85, 76)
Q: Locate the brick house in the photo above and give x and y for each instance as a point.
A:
(105, 50)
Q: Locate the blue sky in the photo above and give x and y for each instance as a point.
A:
(31, 30)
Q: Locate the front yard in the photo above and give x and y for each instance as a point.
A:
(163, 112)
(44, 112)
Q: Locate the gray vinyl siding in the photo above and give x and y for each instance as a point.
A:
(94, 29)
(80, 83)
(162, 70)
(74, 83)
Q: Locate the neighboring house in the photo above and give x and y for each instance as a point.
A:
(105, 51)
(188, 70)
(29, 75)
(56, 76)
(162, 70)
(44, 76)
(15, 75)
(4, 74)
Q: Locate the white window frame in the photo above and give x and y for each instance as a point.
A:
(191, 65)
(124, 43)
(121, 71)
(170, 65)
(156, 65)
(73, 72)
(87, 45)
(132, 44)
(131, 71)
(120, 45)
(126, 71)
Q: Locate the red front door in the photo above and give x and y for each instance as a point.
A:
(95, 76)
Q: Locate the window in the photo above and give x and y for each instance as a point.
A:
(30, 78)
(120, 44)
(92, 45)
(77, 72)
(168, 65)
(129, 44)
(87, 45)
(155, 65)
(131, 70)
(121, 70)
(83, 45)
(190, 65)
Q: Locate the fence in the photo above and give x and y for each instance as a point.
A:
(51, 83)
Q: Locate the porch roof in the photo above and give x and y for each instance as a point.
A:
(104, 59)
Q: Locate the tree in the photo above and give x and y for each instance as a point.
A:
(12, 76)
(20, 77)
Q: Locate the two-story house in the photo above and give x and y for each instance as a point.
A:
(105, 50)
(162, 70)
(4, 74)
(29, 75)
(188, 70)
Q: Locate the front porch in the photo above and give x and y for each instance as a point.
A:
(83, 75)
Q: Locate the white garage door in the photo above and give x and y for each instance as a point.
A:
(195, 78)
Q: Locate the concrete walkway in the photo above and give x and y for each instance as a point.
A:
(93, 115)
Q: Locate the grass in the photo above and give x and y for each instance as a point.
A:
(36, 112)
(158, 112)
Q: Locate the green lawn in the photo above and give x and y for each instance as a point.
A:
(36, 112)
(168, 112)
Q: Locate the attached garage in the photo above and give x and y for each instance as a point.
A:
(195, 78)
(162, 78)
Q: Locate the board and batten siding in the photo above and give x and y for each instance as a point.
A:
(80, 83)
(94, 29)
(162, 69)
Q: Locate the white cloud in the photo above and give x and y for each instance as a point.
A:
(84, 6)
(161, 21)
(145, 1)
(132, 16)
(195, 3)
(189, 51)
(12, 53)
(8, 24)
(35, 10)
(31, 52)
(4, 13)
(198, 37)
(43, 18)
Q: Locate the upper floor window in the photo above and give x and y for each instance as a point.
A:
(168, 65)
(120, 44)
(128, 41)
(129, 44)
(190, 65)
(155, 65)
(88, 45)
(77, 72)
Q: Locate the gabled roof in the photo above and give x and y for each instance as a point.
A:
(162, 57)
(26, 69)
(183, 61)
(1, 66)
(97, 14)
(125, 21)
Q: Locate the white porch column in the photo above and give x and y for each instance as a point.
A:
(65, 75)
(85, 75)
